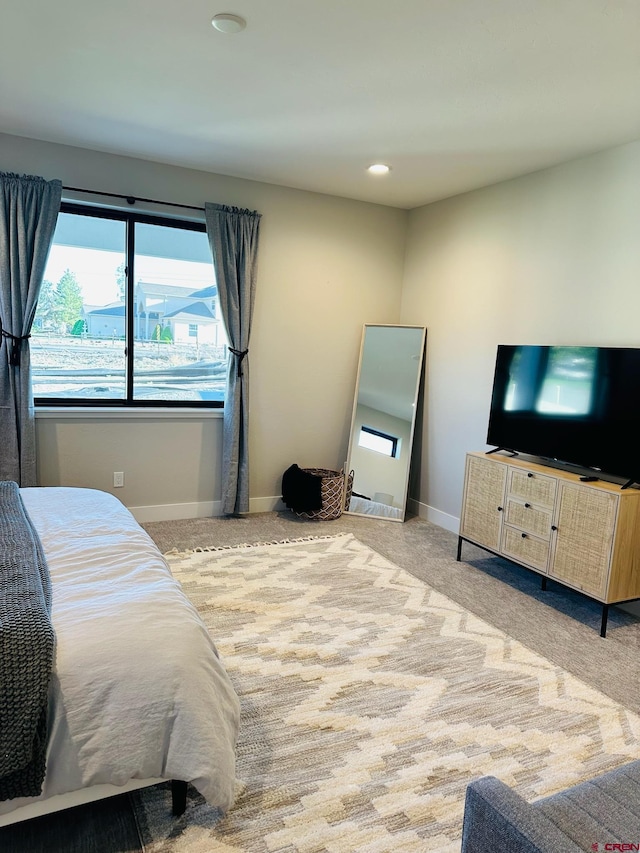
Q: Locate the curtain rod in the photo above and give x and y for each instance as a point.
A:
(131, 199)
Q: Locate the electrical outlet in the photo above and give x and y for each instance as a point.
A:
(118, 479)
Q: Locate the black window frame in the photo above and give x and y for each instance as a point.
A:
(395, 441)
(130, 218)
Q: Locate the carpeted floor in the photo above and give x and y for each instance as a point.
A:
(561, 625)
(369, 700)
(557, 624)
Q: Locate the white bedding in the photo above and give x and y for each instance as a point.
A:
(138, 691)
(364, 506)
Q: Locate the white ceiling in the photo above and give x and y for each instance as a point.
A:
(453, 94)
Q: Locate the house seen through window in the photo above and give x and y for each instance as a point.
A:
(128, 314)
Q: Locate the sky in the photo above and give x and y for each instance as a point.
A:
(96, 271)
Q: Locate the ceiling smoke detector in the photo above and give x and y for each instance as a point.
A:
(226, 23)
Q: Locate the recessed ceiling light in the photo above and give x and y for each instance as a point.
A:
(227, 23)
(379, 169)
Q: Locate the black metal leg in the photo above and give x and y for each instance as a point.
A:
(605, 616)
(178, 797)
(543, 585)
(459, 548)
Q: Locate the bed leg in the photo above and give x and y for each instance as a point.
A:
(178, 797)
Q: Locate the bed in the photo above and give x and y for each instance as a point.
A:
(138, 693)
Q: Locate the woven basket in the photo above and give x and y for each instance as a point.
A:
(331, 491)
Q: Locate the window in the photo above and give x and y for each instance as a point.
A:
(128, 314)
(381, 442)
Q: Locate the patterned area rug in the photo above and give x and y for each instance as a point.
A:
(369, 701)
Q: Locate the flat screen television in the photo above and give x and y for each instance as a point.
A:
(574, 405)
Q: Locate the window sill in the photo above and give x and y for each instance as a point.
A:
(117, 413)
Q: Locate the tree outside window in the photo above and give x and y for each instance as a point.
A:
(128, 314)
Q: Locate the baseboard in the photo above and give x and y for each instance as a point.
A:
(199, 509)
(435, 516)
(271, 503)
(268, 504)
(171, 512)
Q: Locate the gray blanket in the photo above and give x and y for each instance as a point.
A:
(26, 649)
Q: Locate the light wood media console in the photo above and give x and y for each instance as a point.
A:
(584, 535)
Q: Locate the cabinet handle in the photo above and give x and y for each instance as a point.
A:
(553, 527)
(529, 474)
(528, 506)
(500, 509)
(524, 535)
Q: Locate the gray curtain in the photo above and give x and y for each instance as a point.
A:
(233, 237)
(29, 209)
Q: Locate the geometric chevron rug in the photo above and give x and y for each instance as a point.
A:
(369, 702)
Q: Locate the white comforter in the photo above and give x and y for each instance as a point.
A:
(138, 690)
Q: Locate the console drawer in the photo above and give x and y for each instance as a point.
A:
(524, 548)
(533, 487)
(527, 517)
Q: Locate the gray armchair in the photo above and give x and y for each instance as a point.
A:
(603, 811)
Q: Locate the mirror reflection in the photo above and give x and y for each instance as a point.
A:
(383, 419)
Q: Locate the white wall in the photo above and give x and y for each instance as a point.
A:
(326, 266)
(550, 258)
(553, 257)
(171, 464)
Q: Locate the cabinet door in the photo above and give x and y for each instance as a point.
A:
(586, 524)
(483, 503)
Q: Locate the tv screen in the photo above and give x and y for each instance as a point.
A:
(576, 405)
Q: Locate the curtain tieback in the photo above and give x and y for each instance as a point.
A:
(239, 354)
(16, 340)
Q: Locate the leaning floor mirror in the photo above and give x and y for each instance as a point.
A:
(384, 419)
